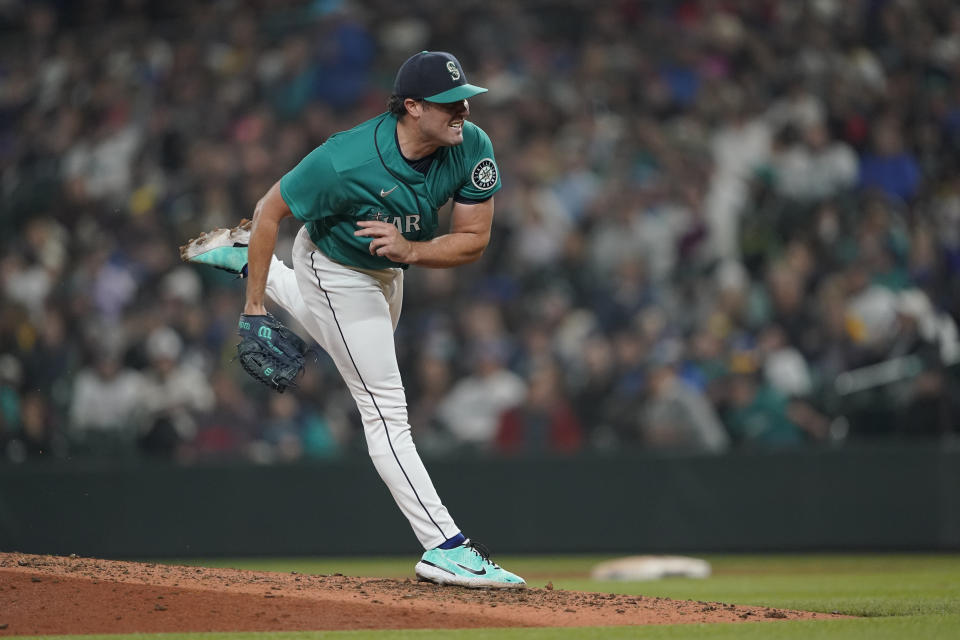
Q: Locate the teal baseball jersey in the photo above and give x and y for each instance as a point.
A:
(360, 174)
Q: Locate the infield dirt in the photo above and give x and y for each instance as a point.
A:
(60, 595)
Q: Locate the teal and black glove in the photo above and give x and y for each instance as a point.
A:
(269, 351)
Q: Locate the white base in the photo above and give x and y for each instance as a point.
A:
(651, 568)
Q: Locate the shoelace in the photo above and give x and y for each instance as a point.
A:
(482, 551)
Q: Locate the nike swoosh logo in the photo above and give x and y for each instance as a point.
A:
(482, 572)
(384, 194)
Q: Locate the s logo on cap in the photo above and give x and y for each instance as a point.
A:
(454, 72)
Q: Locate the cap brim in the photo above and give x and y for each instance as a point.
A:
(456, 94)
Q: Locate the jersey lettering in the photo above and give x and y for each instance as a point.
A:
(404, 224)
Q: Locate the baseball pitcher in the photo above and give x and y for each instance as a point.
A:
(369, 198)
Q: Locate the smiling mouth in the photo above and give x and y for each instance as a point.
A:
(457, 125)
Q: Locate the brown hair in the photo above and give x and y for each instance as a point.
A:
(396, 107)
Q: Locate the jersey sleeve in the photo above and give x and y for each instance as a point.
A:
(483, 175)
(310, 188)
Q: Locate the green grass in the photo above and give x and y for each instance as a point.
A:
(896, 585)
(899, 595)
(904, 628)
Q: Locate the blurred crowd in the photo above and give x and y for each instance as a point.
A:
(724, 224)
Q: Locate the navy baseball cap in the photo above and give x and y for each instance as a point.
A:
(434, 76)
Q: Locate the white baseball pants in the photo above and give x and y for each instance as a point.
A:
(352, 313)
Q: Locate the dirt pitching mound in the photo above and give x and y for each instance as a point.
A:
(57, 595)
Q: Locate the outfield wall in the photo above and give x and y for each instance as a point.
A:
(876, 498)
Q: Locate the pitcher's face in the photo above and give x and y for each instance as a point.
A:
(442, 122)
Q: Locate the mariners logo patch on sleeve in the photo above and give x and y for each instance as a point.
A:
(484, 175)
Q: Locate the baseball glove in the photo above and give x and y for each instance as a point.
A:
(269, 351)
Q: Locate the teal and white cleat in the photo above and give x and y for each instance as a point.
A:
(468, 565)
(221, 248)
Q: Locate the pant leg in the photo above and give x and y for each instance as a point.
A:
(351, 317)
(394, 296)
(282, 288)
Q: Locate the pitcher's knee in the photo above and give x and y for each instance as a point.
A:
(382, 412)
(388, 439)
